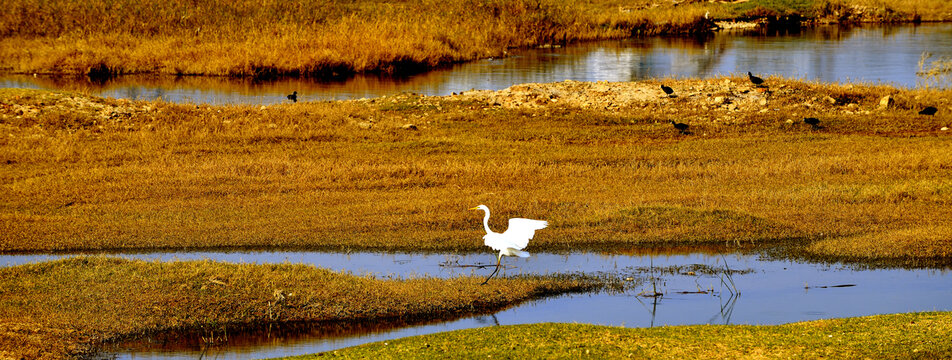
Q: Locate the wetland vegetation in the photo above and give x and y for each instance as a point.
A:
(871, 182)
(333, 39)
(67, 307)
(915, 335)
(599, 161)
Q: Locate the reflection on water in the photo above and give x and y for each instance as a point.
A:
(774, 292)
(270, 341)
(880, 54)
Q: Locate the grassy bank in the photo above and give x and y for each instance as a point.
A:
(901, 336)
(338, 38)
(67, 307)
(600, 162)
(307, 38)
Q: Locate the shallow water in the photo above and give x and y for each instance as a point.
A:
(887, 54)
(773, 292)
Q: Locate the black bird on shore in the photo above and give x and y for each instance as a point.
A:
(683, 128)
(754, 79)
(929, 110)
(293, 96)
(814, 122)
(667, 90)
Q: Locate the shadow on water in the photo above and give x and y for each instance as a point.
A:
(686, 288)
(275, 339)
(887, 54)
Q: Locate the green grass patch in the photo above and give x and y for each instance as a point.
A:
(917, 335)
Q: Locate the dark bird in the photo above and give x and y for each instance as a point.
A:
(814, 122)
(929, 110)
(754, 79)
(683, 128)
(667, 90)
(293, 96)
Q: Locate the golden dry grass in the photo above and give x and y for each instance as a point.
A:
(901, 336)
(266, 39)
(926, 241)
(67, 307)
(304, 38)
(605, 169)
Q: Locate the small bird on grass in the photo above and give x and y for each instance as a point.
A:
(753, 79)
(511, 242)
(929, 110)
(293, 96)
(667, 90)
(812, 121)
(682, 127)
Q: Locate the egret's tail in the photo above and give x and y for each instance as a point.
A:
(519, 253)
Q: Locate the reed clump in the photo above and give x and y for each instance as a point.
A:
(68, 307)
(599, 161)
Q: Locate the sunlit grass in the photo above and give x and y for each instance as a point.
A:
(309, 38)
(67, 307)
(88, 173)
(922, 335)
(339, 38)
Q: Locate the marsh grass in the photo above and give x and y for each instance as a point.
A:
(309, 38)
(884, 336)
(69, 307)
(936, 72)
(846, 11)
(83, 173)
(336, 39)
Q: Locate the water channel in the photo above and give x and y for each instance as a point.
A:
(769, 292)
(884, 54)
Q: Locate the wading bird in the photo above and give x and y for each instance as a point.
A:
(754, 79)
(929, 110)
(667, 90)
(511, 242)
(682, 127)
(293, 96)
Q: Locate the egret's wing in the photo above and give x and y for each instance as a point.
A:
(521, 230)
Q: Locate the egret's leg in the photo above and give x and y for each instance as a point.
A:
(498, 261)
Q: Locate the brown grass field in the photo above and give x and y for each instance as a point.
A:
(266, 39)
(599, 161)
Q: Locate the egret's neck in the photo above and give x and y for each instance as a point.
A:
(486, 223)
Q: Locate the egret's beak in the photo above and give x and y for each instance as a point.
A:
(474, 208)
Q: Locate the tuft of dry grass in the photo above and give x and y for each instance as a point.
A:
(937, 71)
(67, 307)
(599, 161)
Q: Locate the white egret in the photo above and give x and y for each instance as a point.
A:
(511, 242)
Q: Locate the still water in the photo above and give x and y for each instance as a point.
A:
(885, 54)
(769, 292)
